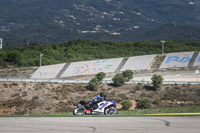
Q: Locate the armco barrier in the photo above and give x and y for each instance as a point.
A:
(87, 81)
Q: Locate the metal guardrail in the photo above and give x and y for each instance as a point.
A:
(87, 81)
(44, 80)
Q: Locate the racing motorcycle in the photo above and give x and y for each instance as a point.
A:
(107, 107)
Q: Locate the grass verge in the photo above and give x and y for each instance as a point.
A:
(193, 110)
(180, 111)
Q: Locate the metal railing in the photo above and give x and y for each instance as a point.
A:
(87, 81)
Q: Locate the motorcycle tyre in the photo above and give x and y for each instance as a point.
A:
(107, 109)
(75, 112)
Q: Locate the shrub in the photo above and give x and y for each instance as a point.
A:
(128, 74)
(118, 80)
(157, 81)
(100, 76)
(143, 95)
(93, 84)
(3, 103)
(156, 101)
(171, 95)
(96, 81)
(138, 86)
(126, 104)
(134, 90)
(123, 95)
(197, 92)
(144, 103)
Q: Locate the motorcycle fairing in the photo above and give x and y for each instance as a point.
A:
(103, 106)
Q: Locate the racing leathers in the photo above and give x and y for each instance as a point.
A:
(92, 104)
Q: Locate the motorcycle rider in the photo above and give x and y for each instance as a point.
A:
(93, 102)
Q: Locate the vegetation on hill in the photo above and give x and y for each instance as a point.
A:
(82, 50)
(57, 21)
(30, 98)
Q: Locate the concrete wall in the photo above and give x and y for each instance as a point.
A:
(92, 67)
(138, 63)
(197, 61)
(175, 60)
(48, 72)
(172, 60)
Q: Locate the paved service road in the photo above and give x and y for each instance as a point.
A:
(100, 124)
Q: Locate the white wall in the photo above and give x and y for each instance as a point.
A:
(138, 63)
(173, 60)
(197, 61)
(92, 67)
(48, 72)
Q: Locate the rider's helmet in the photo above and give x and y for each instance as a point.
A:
(103, 95)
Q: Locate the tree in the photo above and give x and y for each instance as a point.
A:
(93, 84)
(96, 81)
(157, 81)
(15, 57)
(2, 59)
(100, 76)
(118, 79)
(128, 74)
(2, 63)
(126, 104)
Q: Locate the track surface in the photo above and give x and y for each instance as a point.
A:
(100, 124)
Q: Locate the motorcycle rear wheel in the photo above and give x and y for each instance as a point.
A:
(79, 111)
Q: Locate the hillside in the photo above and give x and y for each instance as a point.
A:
(50, 98)
(54, 21)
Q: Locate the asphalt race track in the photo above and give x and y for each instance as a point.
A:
(100, 124)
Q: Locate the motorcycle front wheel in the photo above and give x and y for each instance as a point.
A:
(111, 111)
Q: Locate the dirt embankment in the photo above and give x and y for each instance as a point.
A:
(12, 72)
(50, 98)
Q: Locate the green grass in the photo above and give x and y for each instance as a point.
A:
(129, 113)
(192, 109)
